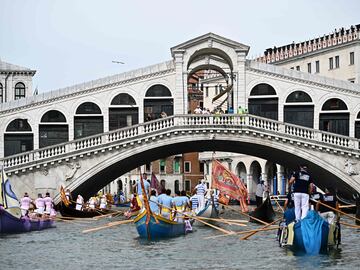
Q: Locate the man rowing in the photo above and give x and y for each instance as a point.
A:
(165, 202)
(25, 204)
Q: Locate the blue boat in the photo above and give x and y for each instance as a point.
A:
(165, 228)
(312, 235)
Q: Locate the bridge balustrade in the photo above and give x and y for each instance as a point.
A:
(233, 121)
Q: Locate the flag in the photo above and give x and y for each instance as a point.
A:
(229, 184)
(8, 198)
(63, 196)
(155, 184)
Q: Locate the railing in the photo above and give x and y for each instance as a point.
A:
(231, 121)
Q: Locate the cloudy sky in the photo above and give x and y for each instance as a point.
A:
(73, 41)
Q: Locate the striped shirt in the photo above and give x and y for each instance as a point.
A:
(194, 201)
(216, 198)
(201, 189)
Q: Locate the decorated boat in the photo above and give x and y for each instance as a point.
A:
(312, 235)
(158, 227)
(264, 212)
(11, 220)
(209, 211)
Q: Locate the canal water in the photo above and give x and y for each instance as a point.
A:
(66, 247)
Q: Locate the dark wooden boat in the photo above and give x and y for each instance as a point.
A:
(264, 212)
(346, 205)
(70, 211)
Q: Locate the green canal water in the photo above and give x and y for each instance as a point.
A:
(66, 247)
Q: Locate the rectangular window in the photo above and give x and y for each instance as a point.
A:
(207, 168)
(317, 66)
(162, 168)
(207, 91)
(176, 166)
(187, 185)
(201, 166)
(331, 63)
(309, 67)
(337, 61)
(298, 68)
(352, 58)
(187, 167)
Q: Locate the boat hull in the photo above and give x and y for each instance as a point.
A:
(208, 212)
(69, 211)
(163, 229)
(264, 212)
(10, 224)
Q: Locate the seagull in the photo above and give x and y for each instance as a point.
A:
(118, 62)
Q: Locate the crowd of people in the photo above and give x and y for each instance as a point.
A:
(40, 207)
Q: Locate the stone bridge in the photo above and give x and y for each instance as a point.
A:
(88, 164)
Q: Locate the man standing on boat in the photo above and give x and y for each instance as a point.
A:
(40, 205)
(302, 181)
(329, 199)
(201, 190)
(48, 203)
(25, 204)
(79, 202)
(260, 188)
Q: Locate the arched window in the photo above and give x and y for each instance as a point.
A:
(53, 116)
(123, 112)
(299, 114)
(19, 90)
(123, 99)
(261, 104)
(263, 89)
(334, 104)
(18, 137)
(158, 90)
(157, 100)
(176, 186)
(357, 126)
(332, 119)
(53, 129)
(88, 120)
(88, 108)
(298, 96)
(1, 93)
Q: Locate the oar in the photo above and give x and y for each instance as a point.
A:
(251, 217)
(278, 204)
(266, 226)
(244, 232)
(347, 206)
(336, 210)
(111, 224)
(350, 225)
(106, 215)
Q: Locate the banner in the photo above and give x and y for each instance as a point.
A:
(63, 196)
(155, 184)
(229, 184)
(8, 198)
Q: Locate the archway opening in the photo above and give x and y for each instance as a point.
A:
(123, 112)
(255, 174)
(299, 109)
(158, 100)
(263, 101)
(334, 117)
(53, 129)
(357, 126)
(88, 120)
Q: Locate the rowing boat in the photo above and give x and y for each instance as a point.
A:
(70, 211)
(264, 212)
(164, 228)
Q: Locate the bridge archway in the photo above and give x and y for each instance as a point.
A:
(299, 109)
(241, 171)
(263, 101)
(88, 120)
(53, 129)
(158, 99)
(335, 117)
(123, 111)
(116, 165)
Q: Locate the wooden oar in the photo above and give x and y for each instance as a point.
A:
(251, 217)
(278, 204)
(106, 215)
(336, 210)
(266, 226)
(347, 206)
(111, 224)
(244, 232)
(350, 225)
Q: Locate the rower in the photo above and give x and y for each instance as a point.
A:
(48, 203)
(92, 202)
(315, 195)
(329, 199)
(194, 201)
(25, 204)
(68, 195)
(40, 205)
(103, 202)
(289, 207)
(201, 191)
(166, 204)
(139, 189)
(179, 202)
(79, 203)
(154, 203)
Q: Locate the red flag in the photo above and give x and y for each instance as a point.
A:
(155, 184)
(229, 184)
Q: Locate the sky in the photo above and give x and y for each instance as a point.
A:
(74, 41)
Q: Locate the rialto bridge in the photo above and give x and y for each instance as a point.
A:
(87, 135)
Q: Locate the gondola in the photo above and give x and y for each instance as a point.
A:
(165, 228)
(70, 211)
(209, 211)
(312, 235)
(10, 224)
(264, 212)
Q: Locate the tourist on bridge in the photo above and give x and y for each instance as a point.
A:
(163, 115)
(40, 205)
(165, 202)
(201, 190)
(79, 203)
(198, 110)
(329, 199)
(302, 181)
(25, 203)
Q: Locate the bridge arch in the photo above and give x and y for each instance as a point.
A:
(18, 137)
(299, 109)
(263, 101)
(334, 116)
(123, 111)
(210, 51)
(241, 171)
(88, 120)
(157, 99)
